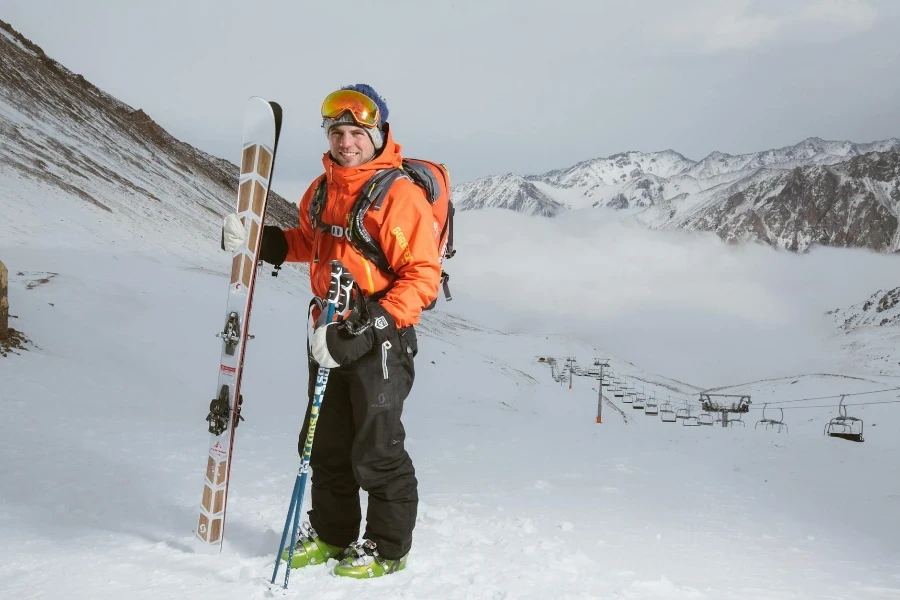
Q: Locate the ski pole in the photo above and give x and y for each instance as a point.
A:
(335, 302)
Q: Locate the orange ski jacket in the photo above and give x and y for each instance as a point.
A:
(404, 227)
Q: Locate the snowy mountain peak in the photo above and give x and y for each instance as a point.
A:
(507, 191)
(616, 169)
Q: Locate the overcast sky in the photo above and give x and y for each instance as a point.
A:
(493, 86)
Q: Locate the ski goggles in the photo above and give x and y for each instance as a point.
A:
(363, 110)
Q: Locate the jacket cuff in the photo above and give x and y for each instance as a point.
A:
(383, 324)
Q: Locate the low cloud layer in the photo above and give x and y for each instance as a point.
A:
(682, 304)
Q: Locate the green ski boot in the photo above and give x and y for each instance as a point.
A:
(311, 550)
(364, 562)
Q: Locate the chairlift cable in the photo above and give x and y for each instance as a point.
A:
(833, 396)
(832, 405)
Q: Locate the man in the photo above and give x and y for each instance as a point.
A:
(359, 439)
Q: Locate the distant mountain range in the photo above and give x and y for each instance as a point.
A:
(815, 192)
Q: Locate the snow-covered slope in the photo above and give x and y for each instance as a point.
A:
(881, 309)
(522, 494)
(870, 332)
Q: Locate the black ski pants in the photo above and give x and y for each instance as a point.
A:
(359, 443)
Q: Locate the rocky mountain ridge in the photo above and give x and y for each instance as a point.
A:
(66, 141)
(814, 192)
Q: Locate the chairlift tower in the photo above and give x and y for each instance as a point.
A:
(570, 363)
(598, 362)
(725, 404)
(552, 362)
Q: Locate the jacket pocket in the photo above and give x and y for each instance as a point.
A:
(409, 341)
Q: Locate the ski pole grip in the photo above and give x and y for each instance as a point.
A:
(346, 282)
(334, 288)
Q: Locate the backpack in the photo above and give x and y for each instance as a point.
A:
(433, 178)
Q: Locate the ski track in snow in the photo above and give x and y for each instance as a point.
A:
(522, 494)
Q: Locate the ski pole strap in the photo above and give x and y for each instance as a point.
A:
(445, 283)
(450, 252)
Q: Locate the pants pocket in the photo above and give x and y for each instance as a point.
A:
(395, 432)
(409, 341)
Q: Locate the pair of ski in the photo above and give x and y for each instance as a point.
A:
(262, 128)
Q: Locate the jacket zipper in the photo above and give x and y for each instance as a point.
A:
(368, 274)
(385, 346)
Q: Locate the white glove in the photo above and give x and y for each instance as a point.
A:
(233, 233)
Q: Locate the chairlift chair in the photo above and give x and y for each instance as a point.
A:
(705, 418)
(637, 401)
(651, 407)
(844, 426)
(683, 413)
(666, 414)
(738, 420)
(690, 422)
(772, 423)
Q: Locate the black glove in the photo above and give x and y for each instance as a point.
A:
(274, 246)
(332, 345)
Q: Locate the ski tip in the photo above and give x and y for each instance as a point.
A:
(276, 111)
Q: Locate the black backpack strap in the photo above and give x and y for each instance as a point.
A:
(317, 204)
(449, 252)
(371, 197)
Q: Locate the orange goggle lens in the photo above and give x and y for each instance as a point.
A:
(360, 106)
